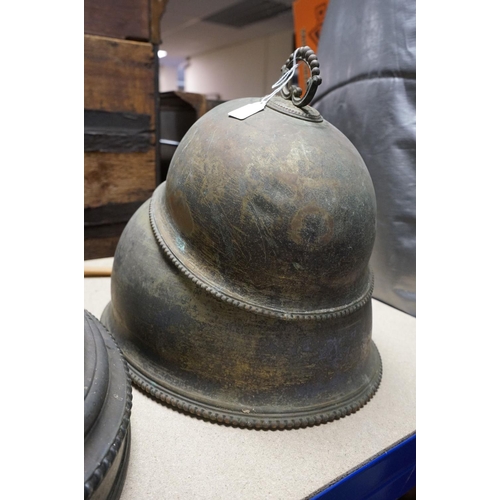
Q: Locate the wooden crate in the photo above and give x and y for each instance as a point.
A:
(127, 19)
(121, 108)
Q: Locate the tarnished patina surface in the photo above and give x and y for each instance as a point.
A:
(241, 290)
(222, 362)
(273, 211)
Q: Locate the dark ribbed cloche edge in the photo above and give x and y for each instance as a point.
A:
(309, 315)
(308, 114)
(102, 468)
(289, 421)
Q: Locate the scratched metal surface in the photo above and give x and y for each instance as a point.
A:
(241, 291)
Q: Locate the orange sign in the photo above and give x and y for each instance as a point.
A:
(308, 18)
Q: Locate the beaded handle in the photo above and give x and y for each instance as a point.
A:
(294, 92)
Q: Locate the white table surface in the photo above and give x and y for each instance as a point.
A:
(177, 456)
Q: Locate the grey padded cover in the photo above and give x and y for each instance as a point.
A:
(367, 57)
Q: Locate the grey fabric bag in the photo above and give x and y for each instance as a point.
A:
(368, 66)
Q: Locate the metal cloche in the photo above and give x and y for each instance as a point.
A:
(107, 406)
(241, 290)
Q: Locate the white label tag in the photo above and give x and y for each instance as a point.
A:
(247, 110)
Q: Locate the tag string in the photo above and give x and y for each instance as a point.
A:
(301, 54)
(285, 78)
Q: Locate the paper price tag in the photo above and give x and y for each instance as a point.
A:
(255, 107)
(247, 110)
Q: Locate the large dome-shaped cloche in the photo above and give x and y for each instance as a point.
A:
(241, 290)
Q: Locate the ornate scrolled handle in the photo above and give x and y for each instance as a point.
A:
(294, 92)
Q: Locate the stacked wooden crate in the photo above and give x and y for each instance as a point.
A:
(121, 115)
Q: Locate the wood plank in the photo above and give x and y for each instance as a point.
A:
(126, 19)
(198, 101)
(157, 8)
(118, 177)
(97, 248)
(104, 230)
(113, 213)
(119, 76)
(113, 132)
(91, 270)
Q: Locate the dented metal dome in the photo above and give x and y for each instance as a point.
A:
(241, 290)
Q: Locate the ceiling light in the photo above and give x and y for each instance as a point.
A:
(162, 53)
